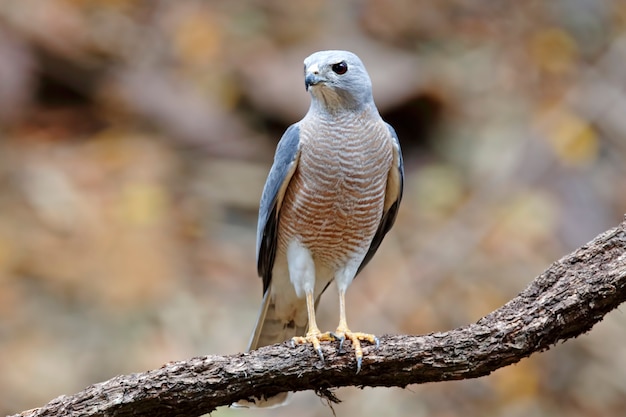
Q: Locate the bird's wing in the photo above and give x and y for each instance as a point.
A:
(285, 163)
(393, 196)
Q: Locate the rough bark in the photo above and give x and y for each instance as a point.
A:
(565, 301)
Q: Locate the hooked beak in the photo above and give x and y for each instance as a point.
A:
(311, 80)
(312, 76)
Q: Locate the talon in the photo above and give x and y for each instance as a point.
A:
(320, 353)
(356, 338)
(341, 338)
(314, 338)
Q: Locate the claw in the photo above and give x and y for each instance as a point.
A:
(313, 338)
(355, 338)
(341, 340)
(320, 353)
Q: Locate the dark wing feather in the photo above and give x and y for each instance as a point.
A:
(393, 196)
(285, 163)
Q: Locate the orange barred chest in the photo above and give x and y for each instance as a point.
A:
(335, 199)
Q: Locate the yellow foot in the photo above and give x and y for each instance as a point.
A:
(314, 337)
(355, 338)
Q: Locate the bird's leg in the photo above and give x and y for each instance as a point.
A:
(343, 332)
(313, 335)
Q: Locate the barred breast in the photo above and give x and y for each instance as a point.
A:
(335, 200)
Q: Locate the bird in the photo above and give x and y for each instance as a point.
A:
(331, 196)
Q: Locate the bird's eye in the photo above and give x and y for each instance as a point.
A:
(340, 68)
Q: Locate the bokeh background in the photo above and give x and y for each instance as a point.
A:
(136, 135)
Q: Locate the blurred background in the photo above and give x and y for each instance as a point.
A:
(136, 135)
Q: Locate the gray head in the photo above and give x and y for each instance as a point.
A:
(337, 80)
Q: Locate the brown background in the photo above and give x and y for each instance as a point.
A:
(135, 137)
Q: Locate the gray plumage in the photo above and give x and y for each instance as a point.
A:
(331, 196)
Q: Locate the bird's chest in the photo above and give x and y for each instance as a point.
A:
(335, 199)
(338, 181)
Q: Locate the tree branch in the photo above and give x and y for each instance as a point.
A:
(565, 301)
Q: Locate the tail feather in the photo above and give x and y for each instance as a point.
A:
(271, 329)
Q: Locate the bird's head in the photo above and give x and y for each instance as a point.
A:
(337, 80)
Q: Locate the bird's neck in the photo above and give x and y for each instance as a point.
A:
(330, 107)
